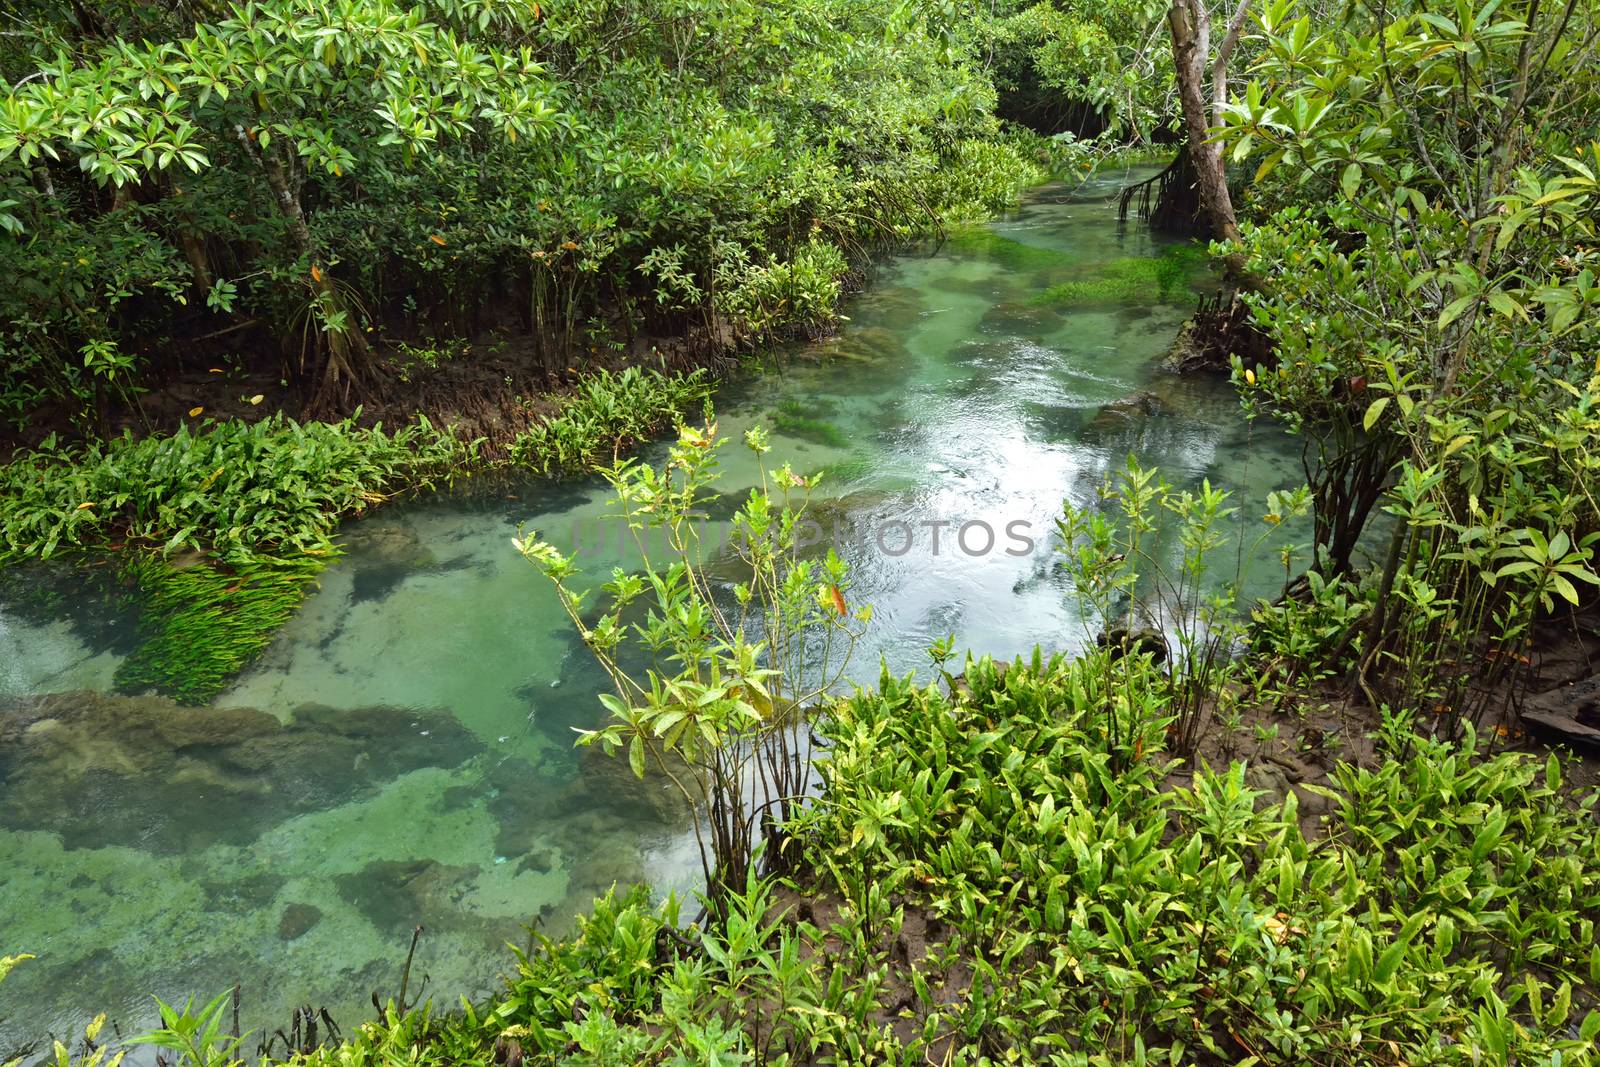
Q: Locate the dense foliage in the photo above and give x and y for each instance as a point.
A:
(232, 488)
(1426, 196)
(313, 184)
(993, 880)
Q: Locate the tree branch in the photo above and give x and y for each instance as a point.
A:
(1219, 65)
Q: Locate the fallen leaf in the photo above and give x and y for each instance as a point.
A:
(258, 398)
(194, 412)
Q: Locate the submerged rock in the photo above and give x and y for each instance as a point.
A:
(297, 920)
(1142, 404)
(105, 769)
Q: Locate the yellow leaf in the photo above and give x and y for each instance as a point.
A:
(316, 275)
(436, 239)
(193, 412)
(86, 504)
(258, 398)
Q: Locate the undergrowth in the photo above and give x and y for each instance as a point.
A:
(989, 877)
(608, 414)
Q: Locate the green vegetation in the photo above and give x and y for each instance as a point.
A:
(1427, 247)
(223, 529)
(992, 878)
(797, 419)
(333, 182)
(716, 711)
(232, 489)
(1171, 276)
(1055, 861)
(206, 621)
(607, 414)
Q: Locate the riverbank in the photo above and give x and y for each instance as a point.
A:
(911, 417)
(989, 875)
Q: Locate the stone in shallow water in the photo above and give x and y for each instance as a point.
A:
(104, 769)
(297, 919)
(397, 895)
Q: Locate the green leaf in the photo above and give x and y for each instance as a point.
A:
(1350, 180)
(1392, 956)
(1374, 411)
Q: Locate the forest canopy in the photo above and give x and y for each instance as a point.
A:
(307, 186)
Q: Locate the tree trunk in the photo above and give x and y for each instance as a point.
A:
(348, 369)
(1190, 23)
(193, 244)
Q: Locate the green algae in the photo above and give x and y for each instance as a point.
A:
(1007, 252)
(1168, 278)
(204, 622)
(796, 419)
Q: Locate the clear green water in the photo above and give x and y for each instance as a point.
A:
(403, 753)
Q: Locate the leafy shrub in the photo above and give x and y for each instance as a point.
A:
(231, 488)
(608, 414)
(728, 683)
(799, 292)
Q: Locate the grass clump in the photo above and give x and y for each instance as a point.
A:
(204, 623)
(608, 414)
(233, 489)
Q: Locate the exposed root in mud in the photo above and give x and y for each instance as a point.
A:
(1222, 327)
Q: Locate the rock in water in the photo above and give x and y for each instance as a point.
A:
(1124, 641)
(1138, 405)
(297, 919)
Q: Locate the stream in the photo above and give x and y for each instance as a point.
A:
(403, 753)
